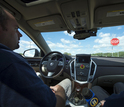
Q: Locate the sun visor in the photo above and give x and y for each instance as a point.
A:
(111, 15)
(48, 24)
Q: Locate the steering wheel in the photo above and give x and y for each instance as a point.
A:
(50, 68)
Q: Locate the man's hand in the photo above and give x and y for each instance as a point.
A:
(55, 88)
(102, 103)
(60, 95)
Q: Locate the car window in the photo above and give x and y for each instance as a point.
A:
(99, 45)
(64, 42)
(25, 44)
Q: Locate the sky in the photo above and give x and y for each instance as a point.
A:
(64, 42)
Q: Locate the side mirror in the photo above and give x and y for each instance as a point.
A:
(31, 53)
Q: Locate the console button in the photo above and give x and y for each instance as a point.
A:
(81, 73)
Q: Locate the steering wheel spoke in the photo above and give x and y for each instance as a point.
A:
(50, 74)
(44, 62)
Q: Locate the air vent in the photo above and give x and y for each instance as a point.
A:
(92, 69)
(72, 69)
(72, 65)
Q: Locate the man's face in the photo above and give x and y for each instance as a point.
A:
(11, 36)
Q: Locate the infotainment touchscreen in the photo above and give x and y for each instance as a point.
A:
(83, 58)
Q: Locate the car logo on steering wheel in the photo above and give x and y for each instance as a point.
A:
(51, 64)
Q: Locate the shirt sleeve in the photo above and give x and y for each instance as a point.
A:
(115, 100)
(21, 78)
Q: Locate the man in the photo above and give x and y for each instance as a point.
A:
(107, 100)
(19, 84)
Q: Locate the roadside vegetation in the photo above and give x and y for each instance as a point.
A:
(114, 54)
(66, 53)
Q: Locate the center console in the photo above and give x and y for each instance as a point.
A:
(82, 70)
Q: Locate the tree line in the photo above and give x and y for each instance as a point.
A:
(114, 54)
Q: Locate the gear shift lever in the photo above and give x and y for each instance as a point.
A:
(78, 93)
(76, 97)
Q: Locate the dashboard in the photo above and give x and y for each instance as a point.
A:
(107, 71)
(81, 69)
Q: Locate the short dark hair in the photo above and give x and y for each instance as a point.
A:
(3, 18)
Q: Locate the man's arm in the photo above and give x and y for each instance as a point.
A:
(21, 78)
(115, 100)
(60, 95)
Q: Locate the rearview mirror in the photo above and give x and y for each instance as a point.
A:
(83, 34)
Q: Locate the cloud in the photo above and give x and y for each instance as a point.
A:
(121, 40)
(55, 45)
(66, 33)
(66, 46)
(101, 46)
(103, 43)
(24, 45)
(119, 28)
(101, 34)
(27, 44)
(105, 40)
(65, 41)
(73, 46)
(51, 45)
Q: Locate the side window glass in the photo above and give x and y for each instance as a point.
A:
(27, 46)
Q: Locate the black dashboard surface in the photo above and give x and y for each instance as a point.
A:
(105, 66)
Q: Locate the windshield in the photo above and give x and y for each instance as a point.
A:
(99, 45)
